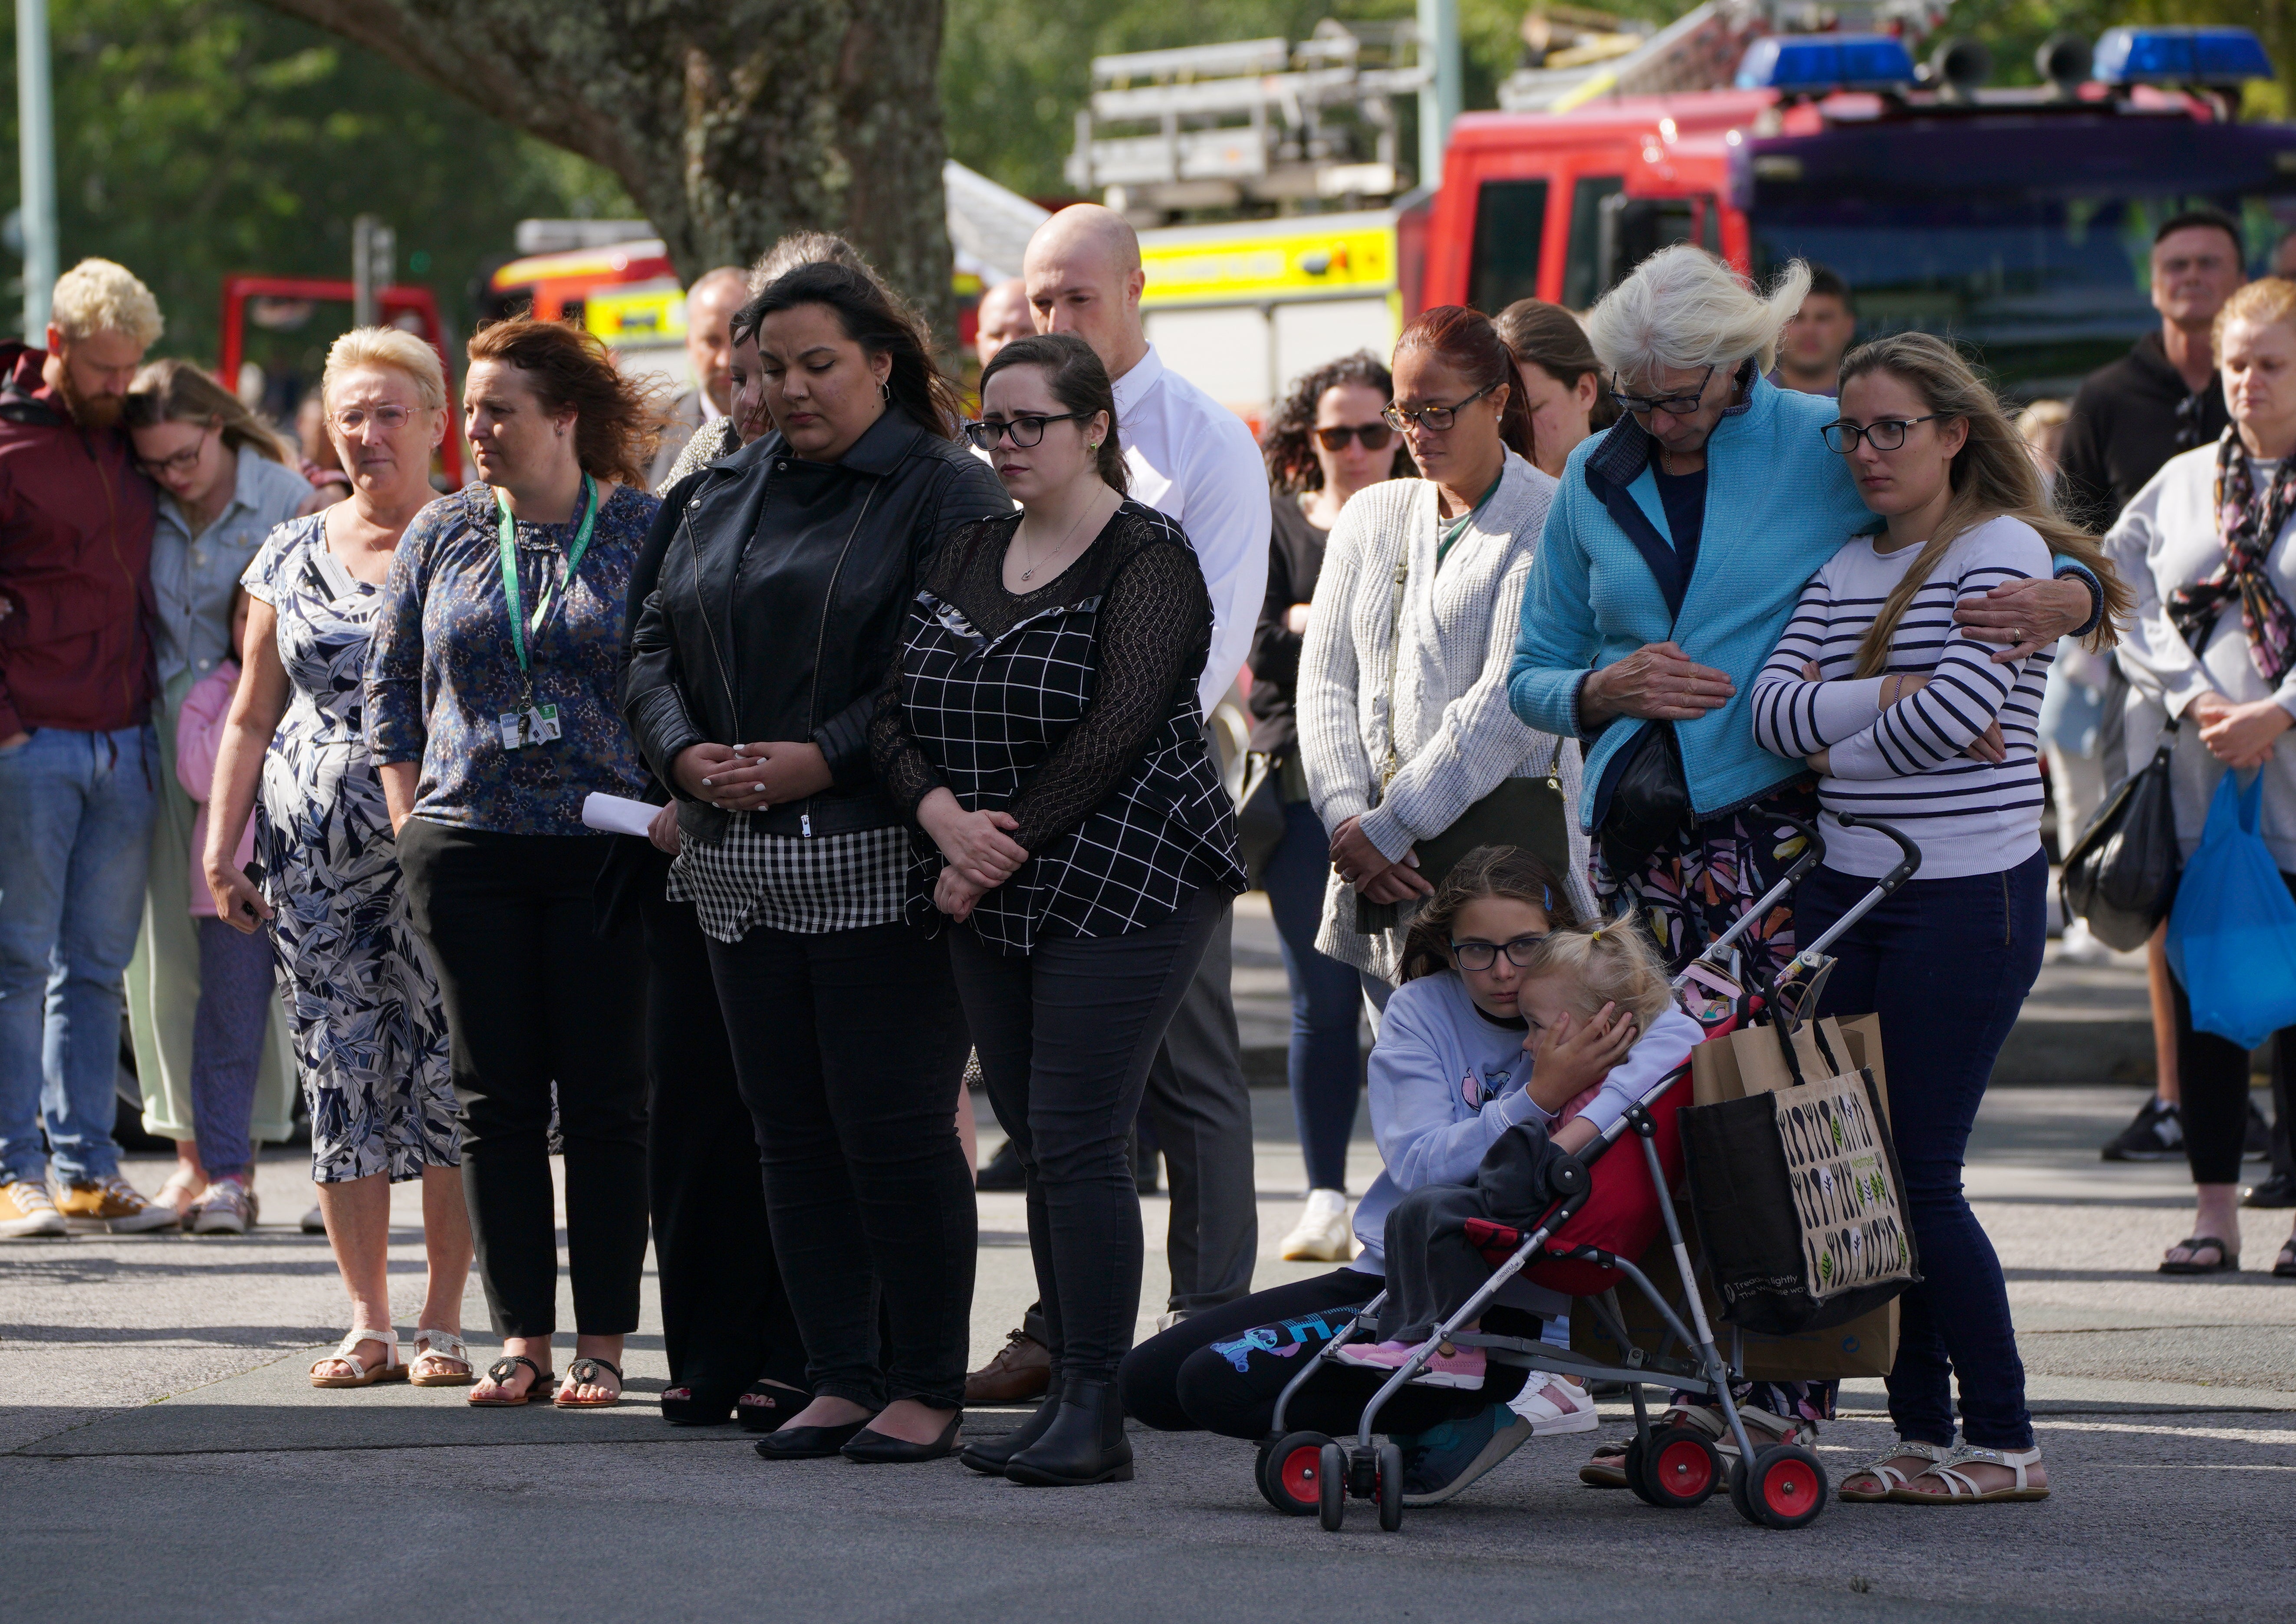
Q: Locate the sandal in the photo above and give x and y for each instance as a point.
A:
(585, 1373)
(1880, 1470)
(448, 1349)
(1606, 1468)
(181, 1190)
(2284, 1268)
(392, 1369)
(1962, 1490)
(1763, 1429)
(501, 1371)
(2228, 1257)
(763, 1405)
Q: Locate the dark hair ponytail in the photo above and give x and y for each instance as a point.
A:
(1077, 380)
(875, 319)
(1467, 340)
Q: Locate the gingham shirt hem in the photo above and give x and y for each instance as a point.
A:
(806, 887)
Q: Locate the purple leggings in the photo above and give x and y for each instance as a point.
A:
(237, 977)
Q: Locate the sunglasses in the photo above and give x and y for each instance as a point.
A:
(1374, 436)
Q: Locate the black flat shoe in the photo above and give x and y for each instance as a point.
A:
(688, 1406)
(1084, 1444)
(876, 1450)
(991, 1455)
(809, 1443)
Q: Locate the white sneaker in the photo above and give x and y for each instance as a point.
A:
(228, 1207)
(1322, 1234)
(26, 1208)
(2079, 946)
(1559, 1405)
(315, 1221)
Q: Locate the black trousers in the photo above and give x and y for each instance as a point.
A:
(2212, 1091)
(534, 994)
(1221, 1370)
(726, 1320)
(1065, 1034)
(849, 1046)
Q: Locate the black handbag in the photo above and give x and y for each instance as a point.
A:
(1259, 813)
(1649, 803)
(2121, 875)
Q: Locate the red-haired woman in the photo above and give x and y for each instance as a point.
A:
(1402, 708)
(490, 714)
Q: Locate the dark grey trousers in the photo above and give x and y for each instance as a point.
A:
(1201, 1114)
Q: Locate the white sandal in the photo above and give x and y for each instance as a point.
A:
(392, 1369)
(1880, 1470)
(180, 1191)
(433, 1343)
(1962, 1490)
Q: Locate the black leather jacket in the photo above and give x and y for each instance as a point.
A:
(783, 589)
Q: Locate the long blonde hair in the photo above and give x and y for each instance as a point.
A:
(1993, 476)
(1611, 964)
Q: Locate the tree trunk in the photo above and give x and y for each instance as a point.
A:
(730, 122)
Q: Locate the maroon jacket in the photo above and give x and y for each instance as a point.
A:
(74, 564)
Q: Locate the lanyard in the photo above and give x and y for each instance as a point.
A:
(519, 629)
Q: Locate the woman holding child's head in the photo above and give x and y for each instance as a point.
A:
(225, 481)
(1040, 726)
(370, 1039)
(1908, 720)
(1456, 1066)
(2210, 545)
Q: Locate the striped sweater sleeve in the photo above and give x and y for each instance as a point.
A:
(1797, 718)
(1966, 692)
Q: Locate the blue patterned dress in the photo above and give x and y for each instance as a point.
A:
(362, 1000)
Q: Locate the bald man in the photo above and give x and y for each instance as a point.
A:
(709, 306)
(1002, 317)
(1192, 460)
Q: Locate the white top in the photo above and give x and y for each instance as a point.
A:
(1904, 764)
(2165, 539)
(1194, 461)
(1452, 731)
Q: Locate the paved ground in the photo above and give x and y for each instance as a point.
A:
(161, 1456)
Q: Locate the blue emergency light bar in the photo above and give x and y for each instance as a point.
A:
(2180, 56)
(1807, 63)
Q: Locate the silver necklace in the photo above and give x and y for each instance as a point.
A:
(1030, 573)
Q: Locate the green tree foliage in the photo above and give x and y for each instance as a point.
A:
(196, 138)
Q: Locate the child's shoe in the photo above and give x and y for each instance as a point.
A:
(1558, 1406)
(1462, 1368)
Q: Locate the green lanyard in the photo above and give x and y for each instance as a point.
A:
(519, 629)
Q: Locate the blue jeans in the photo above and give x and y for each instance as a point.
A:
(1324, 1062)
(76, 813)
(1947, 964)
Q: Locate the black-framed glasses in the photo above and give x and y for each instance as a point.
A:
(181, 462)
(1022, 431)
(1884, 434)
(1482, 956)
(1434, 419)
(1674, 405)
(1374, 436)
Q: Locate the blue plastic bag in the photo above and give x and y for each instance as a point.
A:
(2231, 934)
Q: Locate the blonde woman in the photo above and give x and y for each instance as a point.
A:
(361, 999)
(225, 482)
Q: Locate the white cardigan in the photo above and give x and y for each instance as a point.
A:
(1455, 737)
(2165, 539)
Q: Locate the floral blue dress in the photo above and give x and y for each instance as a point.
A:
(361, 999)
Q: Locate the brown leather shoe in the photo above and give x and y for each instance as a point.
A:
(1022, 1370)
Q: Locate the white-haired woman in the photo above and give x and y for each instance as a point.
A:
(1672, 558)
(363, 999)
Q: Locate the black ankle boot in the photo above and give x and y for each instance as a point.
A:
(990, 1454)
(1083, 1444)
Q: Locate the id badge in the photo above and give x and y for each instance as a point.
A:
(542, 724)
(512, 734)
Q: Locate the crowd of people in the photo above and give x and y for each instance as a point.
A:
(1557, 633)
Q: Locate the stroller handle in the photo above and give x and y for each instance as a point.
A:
(1813, 956)
(1813, 853)
(1907, 868)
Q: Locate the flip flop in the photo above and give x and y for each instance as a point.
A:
(585, 1373)
(500, 1372)
(2227, 1260)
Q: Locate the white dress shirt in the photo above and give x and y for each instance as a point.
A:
(1194, 461)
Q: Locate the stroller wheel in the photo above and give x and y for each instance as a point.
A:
(1638, 1481)
(1390, 1488)
(1786, 1488)
(1680, 1469)
(1332, 1487)
(1290, 1473)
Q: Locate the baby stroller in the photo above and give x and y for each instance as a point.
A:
(1604, 1214)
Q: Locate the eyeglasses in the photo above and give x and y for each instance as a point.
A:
(1482, 956)
(1431, 420)
(181, 462)
(1374, 436)
(1022, 431)
(1886, 434)
(1674, 405)
(389, 419)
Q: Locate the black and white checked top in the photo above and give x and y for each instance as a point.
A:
(807, 887)
(1903, 764)
(1073, 708)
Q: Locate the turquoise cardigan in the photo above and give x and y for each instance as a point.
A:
(1778, 506)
